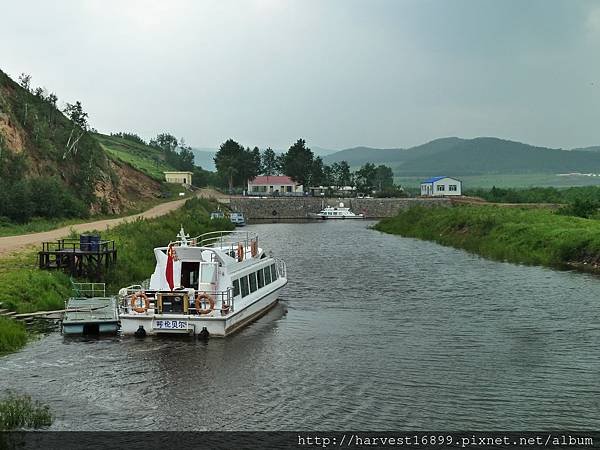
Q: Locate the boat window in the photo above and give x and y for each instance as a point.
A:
(273, 272)
(267, 275)
(261, 278)
(189, 274)
(252, 278)
(236, 288)
(208, 273)
(245, 288)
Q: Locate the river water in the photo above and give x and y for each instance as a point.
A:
(374, 332)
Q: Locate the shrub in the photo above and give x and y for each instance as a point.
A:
(13, 335)
(20, 411)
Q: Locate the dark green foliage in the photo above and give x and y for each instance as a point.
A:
(130, 137)
(204, 178)
(176, 154)
(13, 336)
(236, 165)
(76, 114)
(298, 163)
(317, 174)
(586, 208)
(541, 195)
(392, 191)
(22, 200)
(531, 236)
(578, 201)
(269, 163)
(21, 412)
(365, 178)
(341, 175)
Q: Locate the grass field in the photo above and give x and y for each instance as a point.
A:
(529, 236)
(143, 157)
(510, 180)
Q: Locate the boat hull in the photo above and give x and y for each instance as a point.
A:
(90, 328)
(341, 217)
(216, 326)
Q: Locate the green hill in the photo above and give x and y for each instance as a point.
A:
(144, 158)
(497, 156)
(358, 156)
(479, 156)
(51, 166)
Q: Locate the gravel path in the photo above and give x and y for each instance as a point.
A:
(11, 244)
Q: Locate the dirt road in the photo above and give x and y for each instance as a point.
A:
(10, 244)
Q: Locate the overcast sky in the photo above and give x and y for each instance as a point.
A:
(339, 73)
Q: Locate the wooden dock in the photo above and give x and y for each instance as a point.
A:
(78, 258)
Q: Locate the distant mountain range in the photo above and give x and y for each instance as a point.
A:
(478, 156)
(455, 156)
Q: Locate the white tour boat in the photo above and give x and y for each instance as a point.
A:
(338, 212)
(210, 285)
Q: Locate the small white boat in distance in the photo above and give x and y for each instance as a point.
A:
(338, 212)
(210, 285)
(217, 215)
(237, 218)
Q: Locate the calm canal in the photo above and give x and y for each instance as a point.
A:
(374, 332)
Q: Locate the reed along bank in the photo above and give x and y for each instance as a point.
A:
(519, 235)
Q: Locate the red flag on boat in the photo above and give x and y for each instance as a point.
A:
(169, 270)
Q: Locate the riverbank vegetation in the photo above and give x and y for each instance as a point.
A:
(537, 194)
(13, 335)
(28, 289)
(21, 412)
(576, 201)
(529, 236)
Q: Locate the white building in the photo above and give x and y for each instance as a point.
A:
(184, 178)
(274, 185)
(441, 186)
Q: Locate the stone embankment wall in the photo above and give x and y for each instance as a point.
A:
(297, 208)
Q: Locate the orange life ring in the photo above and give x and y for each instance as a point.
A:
(140, 309)
(254, 248)
(240, 252)
(210, 300)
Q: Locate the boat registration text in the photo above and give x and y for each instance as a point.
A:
(171, 324)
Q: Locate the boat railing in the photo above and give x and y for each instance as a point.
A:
(222, 299)
(88, 289)
(225, 238)
(281, 267)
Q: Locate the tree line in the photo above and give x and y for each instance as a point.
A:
(237, 165)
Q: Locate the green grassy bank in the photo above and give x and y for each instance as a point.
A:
(27, 289)
(19, 412)
(529, 236)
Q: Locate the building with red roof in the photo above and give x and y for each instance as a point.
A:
(274, 185)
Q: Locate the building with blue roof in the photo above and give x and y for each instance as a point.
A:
(441, 186)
